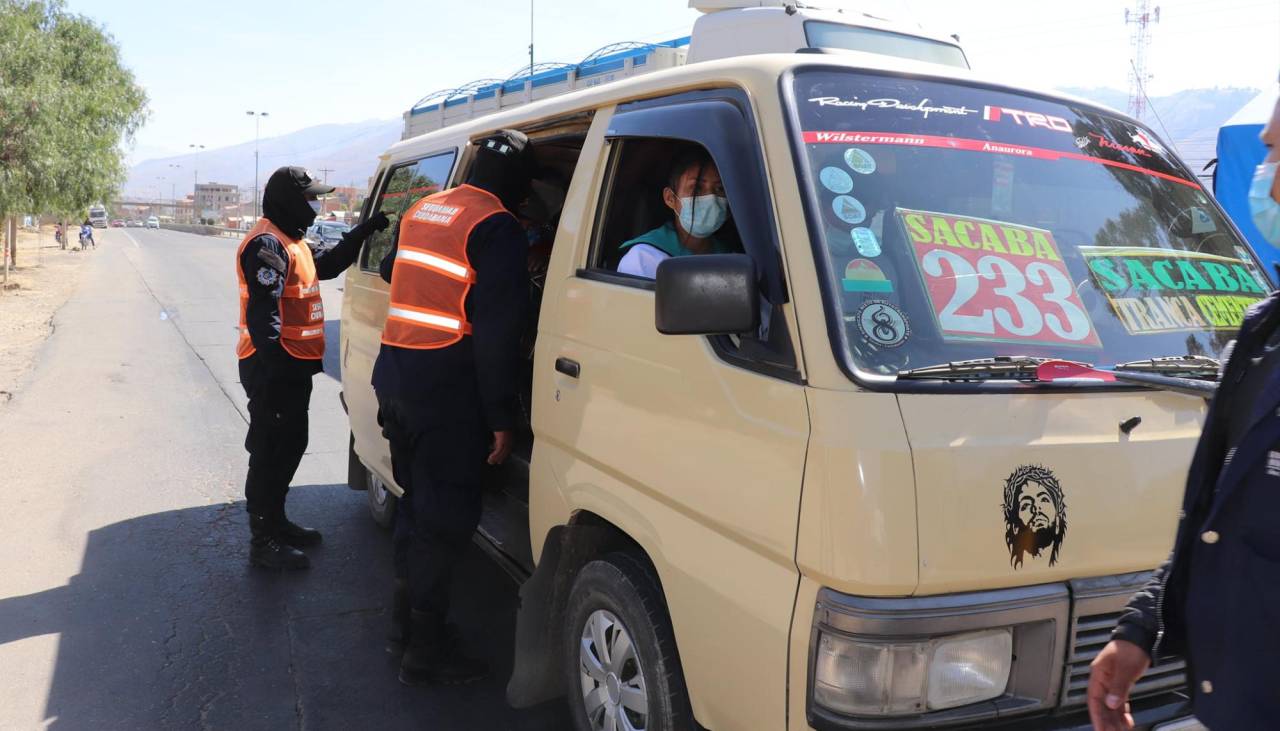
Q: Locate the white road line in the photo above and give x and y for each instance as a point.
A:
(131, 238)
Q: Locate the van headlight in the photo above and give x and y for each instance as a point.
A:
(865, 677)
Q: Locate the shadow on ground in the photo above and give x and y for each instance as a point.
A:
(166, 626)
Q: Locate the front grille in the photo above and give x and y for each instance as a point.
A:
(1089, 634)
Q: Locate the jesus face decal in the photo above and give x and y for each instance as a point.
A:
(1035, 515)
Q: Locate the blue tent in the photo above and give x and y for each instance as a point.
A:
(1239, 152)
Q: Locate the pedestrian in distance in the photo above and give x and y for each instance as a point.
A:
(447, 378)
(1216, 601)
(86, 235)
(281, 347)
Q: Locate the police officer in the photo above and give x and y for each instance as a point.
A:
(1216, 601)
(280, 348)
(447, 378)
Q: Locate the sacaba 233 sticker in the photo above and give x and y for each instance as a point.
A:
(1161, 290)
(882, 324)
(996, 281)
(1035, 515)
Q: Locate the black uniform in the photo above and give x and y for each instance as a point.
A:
(277, 384)
(440, 408)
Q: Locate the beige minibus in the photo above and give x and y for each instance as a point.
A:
(881, 462)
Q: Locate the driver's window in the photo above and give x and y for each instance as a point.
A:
(664, 198)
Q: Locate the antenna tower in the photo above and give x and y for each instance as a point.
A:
(1140, 17)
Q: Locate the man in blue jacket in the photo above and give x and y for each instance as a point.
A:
(1216, 601)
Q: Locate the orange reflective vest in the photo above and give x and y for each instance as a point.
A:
(431, 274)
(301, 309)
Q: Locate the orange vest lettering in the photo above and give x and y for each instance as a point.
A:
(301, 309)
(431, 274)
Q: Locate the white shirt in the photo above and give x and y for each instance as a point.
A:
(642, 260)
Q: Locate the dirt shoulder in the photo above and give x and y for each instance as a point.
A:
(45, 277)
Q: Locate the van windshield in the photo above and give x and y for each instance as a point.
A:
(957, 222)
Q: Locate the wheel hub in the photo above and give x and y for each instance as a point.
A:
(614, 687)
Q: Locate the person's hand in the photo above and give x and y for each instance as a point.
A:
(378, 221)
(503, 441)
(1111, 677)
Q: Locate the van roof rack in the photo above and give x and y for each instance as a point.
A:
(615, 61)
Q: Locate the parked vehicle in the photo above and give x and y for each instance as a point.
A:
(823, 481)
(326, 233)
(153, 222)
(118, 223)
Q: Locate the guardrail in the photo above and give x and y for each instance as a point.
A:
(203, 230)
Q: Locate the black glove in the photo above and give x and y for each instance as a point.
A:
(376, 222)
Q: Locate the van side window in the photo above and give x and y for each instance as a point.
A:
(663, 198)
(404, 185)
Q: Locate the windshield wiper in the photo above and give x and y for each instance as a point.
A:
(1015, 367)
(1170, 365)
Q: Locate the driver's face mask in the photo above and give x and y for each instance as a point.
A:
(1264, 208)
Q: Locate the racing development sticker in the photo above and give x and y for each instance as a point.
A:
(1161, 290)
(996, 281)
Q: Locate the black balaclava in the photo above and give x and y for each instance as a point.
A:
(285, 204)
(504, 165)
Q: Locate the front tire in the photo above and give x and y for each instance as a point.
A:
(622, 669)
(382, 503)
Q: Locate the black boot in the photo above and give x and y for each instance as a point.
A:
(294, 534)
(398, 637)
(434, 657)
(267, 551)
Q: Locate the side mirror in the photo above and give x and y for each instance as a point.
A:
(707, 294)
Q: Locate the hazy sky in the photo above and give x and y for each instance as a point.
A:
(205, 63)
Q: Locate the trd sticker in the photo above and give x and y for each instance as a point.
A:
(836, 180)
(859, 160)
(882, 324)
(1035, 515)
(864, 276)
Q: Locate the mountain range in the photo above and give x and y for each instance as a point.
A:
(349, 152)
(1190, 119)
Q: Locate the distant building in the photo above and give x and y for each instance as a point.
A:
(212, 198)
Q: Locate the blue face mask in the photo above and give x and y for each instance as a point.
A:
(1265, 209)
(703, 215)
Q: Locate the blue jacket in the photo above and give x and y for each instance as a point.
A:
(1216, 601)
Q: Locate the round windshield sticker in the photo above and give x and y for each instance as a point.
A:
(883, 324)
(836, 180)
(848, 209)
(866, 241)
(860, 161)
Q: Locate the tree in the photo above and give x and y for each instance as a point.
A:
(67, 104)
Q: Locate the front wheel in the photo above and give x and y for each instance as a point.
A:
(623, 671)
(382, 504)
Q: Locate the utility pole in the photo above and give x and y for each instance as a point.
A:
(1141, 17)
(257, 128)
(324, 202)
(195, 181)
(531, 40)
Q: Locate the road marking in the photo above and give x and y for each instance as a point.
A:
(131, 238)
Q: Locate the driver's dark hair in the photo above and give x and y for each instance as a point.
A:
(691, 156)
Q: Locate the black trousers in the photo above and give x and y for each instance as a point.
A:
(277, 437)
(439, 460)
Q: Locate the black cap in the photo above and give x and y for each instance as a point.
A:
(302, 178)
(513, 147)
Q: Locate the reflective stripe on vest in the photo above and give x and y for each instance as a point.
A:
(301, 308)
(431, 274)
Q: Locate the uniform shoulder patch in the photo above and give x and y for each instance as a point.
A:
(267, 276)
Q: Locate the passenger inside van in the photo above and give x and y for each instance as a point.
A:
(695, 195)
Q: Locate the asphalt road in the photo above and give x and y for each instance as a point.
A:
(126, 599)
